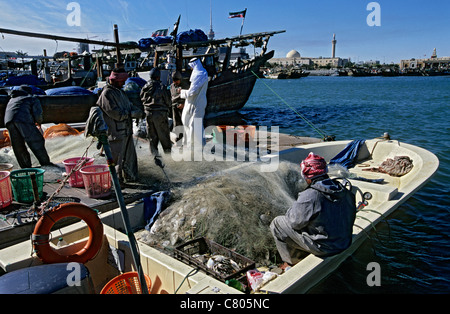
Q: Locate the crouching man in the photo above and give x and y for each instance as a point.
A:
(320, 221)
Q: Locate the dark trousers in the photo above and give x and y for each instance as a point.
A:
(176, 116)
(125, 157)
(158, 131)
(21, 133)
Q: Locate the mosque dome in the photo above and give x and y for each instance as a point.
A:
(293, 54)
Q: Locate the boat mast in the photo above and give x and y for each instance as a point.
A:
(63, 38)
(119, 63)
(179, 49)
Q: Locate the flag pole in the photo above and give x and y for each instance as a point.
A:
(243, 20)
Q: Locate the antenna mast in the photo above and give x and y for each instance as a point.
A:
(211, 34)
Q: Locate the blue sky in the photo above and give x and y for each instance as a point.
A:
(409, 28)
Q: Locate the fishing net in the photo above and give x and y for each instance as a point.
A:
(60, 130)
(5, 141)
(58, 149)
(233, 208)
(397, 167)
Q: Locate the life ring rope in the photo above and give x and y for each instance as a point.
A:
(41, 236)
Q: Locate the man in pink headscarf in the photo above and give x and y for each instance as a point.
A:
(118, 114)
(320, 221)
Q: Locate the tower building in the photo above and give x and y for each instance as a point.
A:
(334, 42)
(211, 34)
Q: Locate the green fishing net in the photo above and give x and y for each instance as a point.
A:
(234, 208)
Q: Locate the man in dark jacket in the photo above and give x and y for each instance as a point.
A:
(22, 114)
(118, 114)
(157, 103)
(320, 221)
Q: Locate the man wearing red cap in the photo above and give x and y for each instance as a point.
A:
(118, 114)
(320, 221)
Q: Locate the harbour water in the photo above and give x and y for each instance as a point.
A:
(412, 246)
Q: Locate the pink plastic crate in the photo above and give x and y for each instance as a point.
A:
(97, 181)
(6, 196)
(76, 179)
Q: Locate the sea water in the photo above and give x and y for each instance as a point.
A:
(412, 247)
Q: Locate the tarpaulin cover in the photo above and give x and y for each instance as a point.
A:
(191, 36)
(70, 90)
(23, 80)
(140, 81)
(185, 37)
(347, 157)
(147, 42)
(40, 280)
(36, 90)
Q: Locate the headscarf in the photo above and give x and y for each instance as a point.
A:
(314, 166)
(118, 76)
(199, 75)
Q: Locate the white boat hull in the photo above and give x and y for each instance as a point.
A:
(168, 274)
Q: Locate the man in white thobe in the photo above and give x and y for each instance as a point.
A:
(195, 106)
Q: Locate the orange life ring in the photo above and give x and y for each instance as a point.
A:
(41, 238)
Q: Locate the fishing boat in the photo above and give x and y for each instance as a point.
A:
(230, 85)
(357, 72)
(378, 194)
(375, 200)
(295, 73)
(291, 74)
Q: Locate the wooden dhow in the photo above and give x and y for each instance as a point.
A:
(229, 89)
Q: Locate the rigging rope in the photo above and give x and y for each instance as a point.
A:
(325, 137)
(85, 78)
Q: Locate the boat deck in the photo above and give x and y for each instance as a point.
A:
(17, 223)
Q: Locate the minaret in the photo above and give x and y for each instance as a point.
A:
(333, 54)
(434, 55)
(211, 32)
